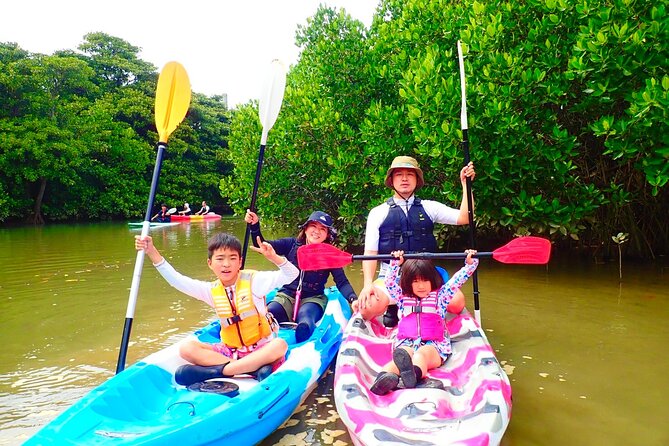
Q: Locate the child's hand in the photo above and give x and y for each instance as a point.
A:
(143, 243)
(251, 217)
(470, 253)
(146, 244)
(398, 255)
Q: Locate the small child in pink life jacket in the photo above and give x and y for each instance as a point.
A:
(422, 340)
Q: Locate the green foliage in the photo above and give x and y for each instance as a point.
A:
(567, 103)
(567, 117)
(77, 136)
(115, 61)
(196, 160)
(313, 148)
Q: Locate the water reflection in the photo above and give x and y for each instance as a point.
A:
(584, 352)
(315, 422)
(30, 398)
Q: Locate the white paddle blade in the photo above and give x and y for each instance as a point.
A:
(463, 109)
(271, 97)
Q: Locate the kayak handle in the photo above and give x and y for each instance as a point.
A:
(272, 403)
(192, 407)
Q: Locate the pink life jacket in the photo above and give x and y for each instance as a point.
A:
(421, 318)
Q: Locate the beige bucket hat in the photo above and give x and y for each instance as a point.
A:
(404, 162)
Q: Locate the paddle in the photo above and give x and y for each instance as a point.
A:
(523, 250)
(268, 110)
(172, 101)
(470, 200)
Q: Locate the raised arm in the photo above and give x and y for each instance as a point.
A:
(273, 279)
(253, 219)
(465, 172)
(449, 289)
(367, 296)
(392, 277)
(146, 243)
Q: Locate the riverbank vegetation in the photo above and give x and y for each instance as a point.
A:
(568, 114)
(77, 136)
(568, 124)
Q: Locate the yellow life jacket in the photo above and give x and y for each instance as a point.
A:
(241, 323)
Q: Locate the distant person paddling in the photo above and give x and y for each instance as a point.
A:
(204, 210)
(163, 216)
(186, 210)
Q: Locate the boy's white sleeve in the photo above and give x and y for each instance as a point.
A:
(198, 289)
(266, 281)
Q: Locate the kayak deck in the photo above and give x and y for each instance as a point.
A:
(474, 408)
(144, 406)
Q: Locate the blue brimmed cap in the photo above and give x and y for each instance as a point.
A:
(320, 217)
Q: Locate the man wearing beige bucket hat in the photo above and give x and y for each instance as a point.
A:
(404, 222)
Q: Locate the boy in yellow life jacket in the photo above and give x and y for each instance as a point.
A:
(248, 342)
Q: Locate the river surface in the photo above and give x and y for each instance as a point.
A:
(586, 353)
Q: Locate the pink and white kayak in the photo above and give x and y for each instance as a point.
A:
(474, 409)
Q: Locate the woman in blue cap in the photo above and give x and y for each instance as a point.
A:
(310, 285)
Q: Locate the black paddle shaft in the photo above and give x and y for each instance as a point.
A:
(423, 255)
(125, 340)
(254, 196)
(154, 180)
(470, 213)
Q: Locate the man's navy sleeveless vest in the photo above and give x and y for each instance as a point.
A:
(409, 233)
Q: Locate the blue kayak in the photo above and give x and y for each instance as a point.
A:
(143, 405)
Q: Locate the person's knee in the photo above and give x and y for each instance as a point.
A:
(367, 313)
(376, 306)
(381, 294)
(279, 347)
(310, 313)
(371, 312)
(277, 311)
(187, 350)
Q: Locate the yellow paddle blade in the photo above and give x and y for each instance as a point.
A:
(172, 99)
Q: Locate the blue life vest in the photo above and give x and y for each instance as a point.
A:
(409, 233)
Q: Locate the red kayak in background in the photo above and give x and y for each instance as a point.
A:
(184, 218)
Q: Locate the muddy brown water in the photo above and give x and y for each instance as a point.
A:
(586, 353)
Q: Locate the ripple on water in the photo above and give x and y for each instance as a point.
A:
(29, 400)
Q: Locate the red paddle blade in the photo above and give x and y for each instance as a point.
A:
(321, 256)
(526, 250)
